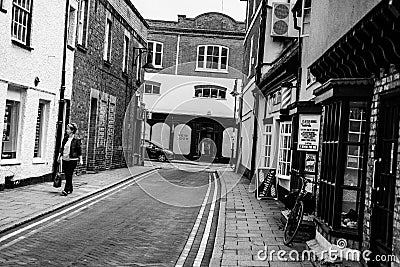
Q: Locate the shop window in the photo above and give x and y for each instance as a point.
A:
(284, 156)
(267, 145)
(212, 57)
(10, 131)
(40, 130)
(343, 163)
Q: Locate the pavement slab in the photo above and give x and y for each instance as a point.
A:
(248, 226)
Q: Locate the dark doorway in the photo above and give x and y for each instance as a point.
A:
(383, 187)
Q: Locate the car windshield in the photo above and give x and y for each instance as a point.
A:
(155, 143)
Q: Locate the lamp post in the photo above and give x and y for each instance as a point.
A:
(234, 93)
(140, 128)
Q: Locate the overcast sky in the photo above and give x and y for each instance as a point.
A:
(169, 9)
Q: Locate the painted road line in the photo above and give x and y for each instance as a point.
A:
(8, 236)
(207, 230)
(68, 215)
(189, 242)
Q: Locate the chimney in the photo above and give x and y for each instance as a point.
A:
(181, 17)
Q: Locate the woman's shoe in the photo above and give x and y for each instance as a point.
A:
(64, 193)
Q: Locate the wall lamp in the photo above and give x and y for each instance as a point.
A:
(142, 50)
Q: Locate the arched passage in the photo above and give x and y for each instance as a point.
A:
(161, 134)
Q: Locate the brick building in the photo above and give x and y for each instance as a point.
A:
(199, 62)
(107, 73)
(30, 78)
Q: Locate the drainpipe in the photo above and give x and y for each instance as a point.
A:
(260, 57)
(61, 102)
(298, 28)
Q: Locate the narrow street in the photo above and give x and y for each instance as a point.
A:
(122, 226)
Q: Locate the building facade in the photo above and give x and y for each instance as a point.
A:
(30, 80)
(110, 37)
(198, 63)
(356, 67)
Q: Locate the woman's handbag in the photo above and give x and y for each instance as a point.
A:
(59, 176)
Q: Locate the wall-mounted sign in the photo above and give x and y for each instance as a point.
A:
(309, 127)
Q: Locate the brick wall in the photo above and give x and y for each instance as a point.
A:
(387, 81)
(206, 29)
(113, 90)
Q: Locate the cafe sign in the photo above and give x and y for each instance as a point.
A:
(309, 127)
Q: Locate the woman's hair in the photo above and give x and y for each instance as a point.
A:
(73, 127)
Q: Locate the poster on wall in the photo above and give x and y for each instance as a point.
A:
(309, 127)
(311, 161)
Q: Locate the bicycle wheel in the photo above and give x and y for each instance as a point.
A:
(293, 222)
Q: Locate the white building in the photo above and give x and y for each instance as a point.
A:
(31, 54)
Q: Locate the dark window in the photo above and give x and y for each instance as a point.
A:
(108, 41)
(155, 53)
(83, 22)
(211, 91)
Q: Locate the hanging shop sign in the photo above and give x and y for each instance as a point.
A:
(309, 127)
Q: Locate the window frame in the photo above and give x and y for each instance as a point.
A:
(287, 162)
(206, 56)
(125, 56)
(304, 21)
(152, 53)
(210, 89)
(108, 40)
(28, 26)
(153, 85)
(267, 145)
(72, 26)
(41, 142)
(83, 23)
(14, 129)
(334, 155)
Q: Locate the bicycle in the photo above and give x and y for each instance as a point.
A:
(296, 214)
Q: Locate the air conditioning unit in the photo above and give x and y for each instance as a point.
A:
(282, 20)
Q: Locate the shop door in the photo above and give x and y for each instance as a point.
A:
(383, 188)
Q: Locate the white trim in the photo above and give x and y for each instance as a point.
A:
(154, 52)
(252, 23)
(220, 47)
(178, 42)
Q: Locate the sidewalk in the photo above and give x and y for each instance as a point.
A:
(26, 203)
(247, 225)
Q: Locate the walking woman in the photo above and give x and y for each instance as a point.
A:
(70, 154)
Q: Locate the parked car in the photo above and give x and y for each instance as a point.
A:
(157, 151)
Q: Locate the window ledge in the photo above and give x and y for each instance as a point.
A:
(5, 162)
(3, 10)
(21, 45)
(82, 48)
(71, 47)
(212, 70)
(38, 161)
(205, 97)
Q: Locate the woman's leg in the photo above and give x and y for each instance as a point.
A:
(69, 167)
